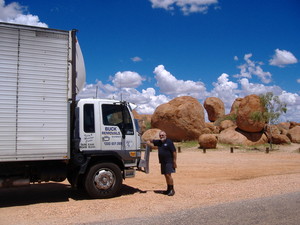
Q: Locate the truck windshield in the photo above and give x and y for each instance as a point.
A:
(117, 115)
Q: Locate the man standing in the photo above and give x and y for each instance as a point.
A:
(167, 158)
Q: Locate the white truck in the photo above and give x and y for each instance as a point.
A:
(46, 134)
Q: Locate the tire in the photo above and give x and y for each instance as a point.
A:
(103, 180)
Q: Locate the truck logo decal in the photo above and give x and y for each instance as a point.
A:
(129, 144)
(106, 138)
(111, 131)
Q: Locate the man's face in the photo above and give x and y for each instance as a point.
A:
(162, 136)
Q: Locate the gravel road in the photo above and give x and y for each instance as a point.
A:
(275, 210)
(201, 180)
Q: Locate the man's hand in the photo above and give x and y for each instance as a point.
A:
(174, 164)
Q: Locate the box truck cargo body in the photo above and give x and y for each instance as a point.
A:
(45, 133)
(35, 73)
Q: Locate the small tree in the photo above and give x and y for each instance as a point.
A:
(274, 107)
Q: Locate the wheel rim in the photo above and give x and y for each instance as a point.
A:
(104, 179)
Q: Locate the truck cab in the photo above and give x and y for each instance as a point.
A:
(107, 125)
(109, 145)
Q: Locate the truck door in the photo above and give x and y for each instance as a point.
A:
(117, 131)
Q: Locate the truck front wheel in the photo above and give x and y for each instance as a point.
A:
(103, 180)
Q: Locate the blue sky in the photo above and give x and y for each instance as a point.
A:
(151, 51)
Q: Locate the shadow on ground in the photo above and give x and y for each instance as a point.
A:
(49, 193)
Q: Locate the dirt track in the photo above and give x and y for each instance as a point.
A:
(201, 179)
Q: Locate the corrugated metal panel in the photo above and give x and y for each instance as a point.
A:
(40, 112)
(8, 90)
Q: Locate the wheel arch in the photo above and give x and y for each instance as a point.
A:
(105, 159)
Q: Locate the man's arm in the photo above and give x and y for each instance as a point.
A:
(174, 154)
(175, 160)
(154, 142)
(149, 142)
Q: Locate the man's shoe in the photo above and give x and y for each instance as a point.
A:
(171, 192)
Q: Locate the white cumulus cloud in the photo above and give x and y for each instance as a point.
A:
(248, 88)
(127, 79)
(186, 6)
(148, 101)
(293, 106)
(15, 13)
(251, 68)
(282, 58)
(168, 84)
(99, 90)
(289, 98)
(123, 87)
(224, 89)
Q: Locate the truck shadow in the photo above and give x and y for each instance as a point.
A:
(128, 190)
(49, 193)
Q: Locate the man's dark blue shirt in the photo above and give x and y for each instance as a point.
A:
(165, 150)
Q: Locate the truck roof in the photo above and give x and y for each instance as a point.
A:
(98, 100)
(107, 101)
(30, 27)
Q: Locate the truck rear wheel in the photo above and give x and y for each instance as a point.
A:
(103, 180)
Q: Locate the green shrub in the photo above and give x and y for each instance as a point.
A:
(231, 117)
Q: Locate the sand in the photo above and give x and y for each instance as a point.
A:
(201, 179)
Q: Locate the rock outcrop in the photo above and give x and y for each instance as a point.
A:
(182, 118)
(271, 130)
(284, 125)
(213, 129)
(234, 136)
(215, 108)
(235, 106)
(280, 139)
(248, 106)
(294, 134)
(226, 124)
(294, 124)
(208, 141)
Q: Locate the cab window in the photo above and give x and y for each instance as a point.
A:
(117, 115)
(89, 118)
